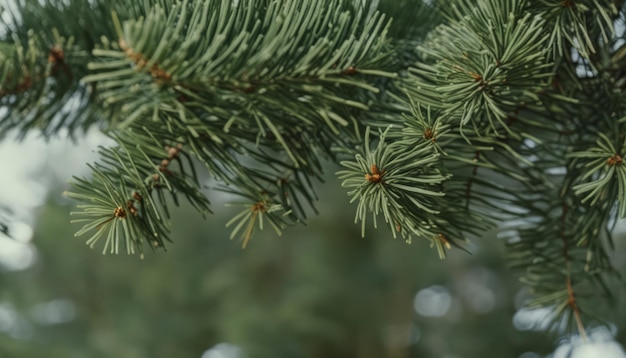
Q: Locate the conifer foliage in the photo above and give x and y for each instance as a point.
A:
(449, 118)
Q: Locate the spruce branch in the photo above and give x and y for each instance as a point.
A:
(507, 112)
(561, 244)
(259, 207)
(515, 160)
(482, 67)
(581, 24)
(603, 176)
(125, 197)
(37, 82)
(315, 69)
(41, 66)
(260, 99)
(402, 184)
(465, 212)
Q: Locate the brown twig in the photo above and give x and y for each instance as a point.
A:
(571, 295)
(141, 61)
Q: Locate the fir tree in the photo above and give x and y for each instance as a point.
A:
(449, 119)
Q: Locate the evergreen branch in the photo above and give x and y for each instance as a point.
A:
(404, 184)
(38, 82)
(293, 75)
(557, 249)
(489, 65)
(284, 104)
(604, 174)
(512, 112)
(576, 23)
(132, 205)
(571, 295)
(291, 187)
(259, 208)
(461, 214)
(41, 67)
(513, 127)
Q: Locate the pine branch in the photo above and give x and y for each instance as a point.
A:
(414, 184)
(488, 75)
(507, 112)
(258, 208)
(125, 197)
(264, 93)
(577, 24)
(402, 185)
(41, 67)
(603, 178)
(484, 66)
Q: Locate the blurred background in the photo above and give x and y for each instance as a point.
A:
(317, 291)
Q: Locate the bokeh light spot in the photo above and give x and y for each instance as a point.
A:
(433, 301)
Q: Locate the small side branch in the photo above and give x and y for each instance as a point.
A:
(141, 61)
(571, 295)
